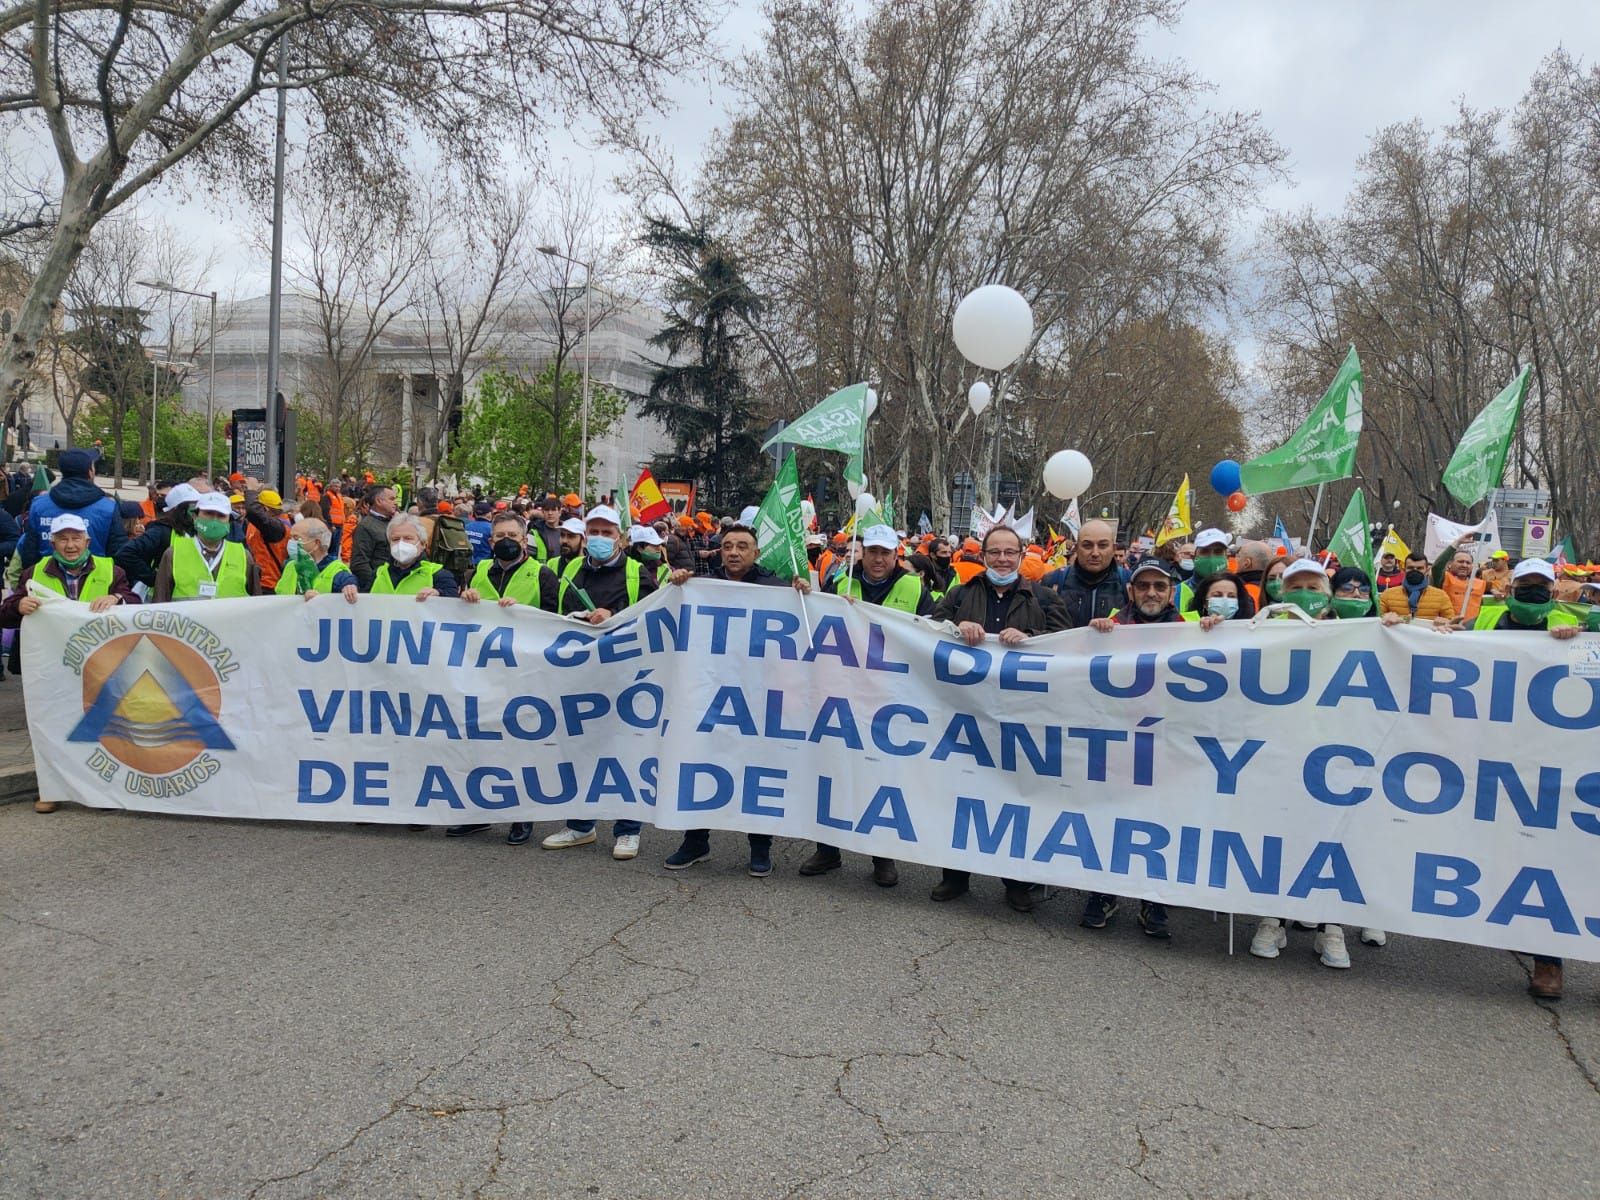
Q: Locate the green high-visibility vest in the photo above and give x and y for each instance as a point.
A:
(95, 584)
(189, 570)
(289, 582)
(905, 595)
(1489, 616)
(523, 586)
(421, 576)
(536, 546)
(630, 569)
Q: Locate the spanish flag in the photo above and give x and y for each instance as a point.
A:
(1177, 523)
(647, 498)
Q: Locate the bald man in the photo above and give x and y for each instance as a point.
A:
(1091, 585)
(1254, 558)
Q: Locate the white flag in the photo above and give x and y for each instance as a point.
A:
(1442, 533)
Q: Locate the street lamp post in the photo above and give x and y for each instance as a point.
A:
(211, 375)
(588, 287)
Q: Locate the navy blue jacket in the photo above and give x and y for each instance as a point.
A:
(73, 495)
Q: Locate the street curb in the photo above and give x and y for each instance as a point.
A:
(19, 787)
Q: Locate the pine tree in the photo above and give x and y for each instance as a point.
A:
(699, 394)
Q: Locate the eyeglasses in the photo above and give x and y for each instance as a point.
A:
(1002, 554)
(1354, 589)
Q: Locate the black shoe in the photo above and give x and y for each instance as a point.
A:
(884, 872)
(949, 889)
(1024, 897)
(521, 831)
(1153, 917)
(1097, 913)
(464, 830)
(821, 862)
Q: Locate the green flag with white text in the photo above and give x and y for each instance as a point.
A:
(1323, 448)
(838, 423)
(1480, 459)
(780, 525)
(1351, 542)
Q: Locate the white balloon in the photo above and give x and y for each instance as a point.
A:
(854, 488)
(993, 326)
(1067, 474)
(978, 397)
(872, 402)
(865, 503)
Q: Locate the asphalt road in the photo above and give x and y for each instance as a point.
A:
(199, 1008)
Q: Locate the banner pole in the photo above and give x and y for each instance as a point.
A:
(1316, 507)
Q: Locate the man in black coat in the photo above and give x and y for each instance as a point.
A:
(1091, 585)
(998, 601)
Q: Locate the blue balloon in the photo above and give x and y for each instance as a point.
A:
(1225, 478)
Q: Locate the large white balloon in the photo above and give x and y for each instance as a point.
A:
(1067, 474)
(865, 503)
(855, 489)
(978, 397)
(872, 401)
(992, 326)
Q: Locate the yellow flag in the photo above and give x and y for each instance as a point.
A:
(1393, 545)
(1177, 523)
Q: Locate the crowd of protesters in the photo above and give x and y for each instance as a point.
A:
(199, 539)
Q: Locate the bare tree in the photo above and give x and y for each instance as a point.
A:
(124, 95)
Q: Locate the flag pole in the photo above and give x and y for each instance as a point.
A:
(804, 615)
(1316, 507)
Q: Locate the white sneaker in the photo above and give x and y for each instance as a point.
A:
(566, 839)
(627, 847)
(1270, 937)
(1374, 937)
(1329, 945)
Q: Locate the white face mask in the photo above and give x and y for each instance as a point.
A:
(404, 553)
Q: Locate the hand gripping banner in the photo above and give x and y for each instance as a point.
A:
(1439, 785)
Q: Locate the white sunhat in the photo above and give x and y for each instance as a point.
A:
(603, 512)
(1305, 566)
(213, 502)
(643, 535)
(67, 522)
(1534, 568)
(881, 536)
(181, 493)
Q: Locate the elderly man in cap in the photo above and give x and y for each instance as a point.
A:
(207, 565)
(880, 578)
(311, 568)
(599, 583)
(75, 493)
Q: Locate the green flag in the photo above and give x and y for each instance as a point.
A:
(1323, 448)
(781, 527)
(838, 423)
(1352, 539)
(1480, 459)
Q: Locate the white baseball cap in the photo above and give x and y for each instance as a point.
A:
(643, 535)
(603, 512)
(1528, 568)
(881, 536)
(212, 502)
(1211, 537)
(66, 522)
(1306, 566)
(181, 493)
(572, 525)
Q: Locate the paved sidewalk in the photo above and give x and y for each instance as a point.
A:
(16, 750)
(201, 1008)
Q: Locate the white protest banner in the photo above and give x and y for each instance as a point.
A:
(1397, 778)
(1442, 533)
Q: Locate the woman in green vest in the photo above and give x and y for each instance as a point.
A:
(645, 544)
(311, 569)
(407, 573)
(206, 565)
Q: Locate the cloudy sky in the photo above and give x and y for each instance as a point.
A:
(1324, 75)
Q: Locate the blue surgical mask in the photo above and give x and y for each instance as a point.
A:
(1222, 606)
(999, 580)
(600, 547)
(1186, 564)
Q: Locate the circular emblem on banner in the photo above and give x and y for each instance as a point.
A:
(152, 702)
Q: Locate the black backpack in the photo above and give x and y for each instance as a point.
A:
(451, 548)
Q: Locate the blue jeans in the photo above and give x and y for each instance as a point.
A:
(618, 828)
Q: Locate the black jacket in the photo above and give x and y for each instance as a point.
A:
(1086, 596)
(606, 586)
(369, 549)
(757, 574)
(140, 557)
(1022, 607)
